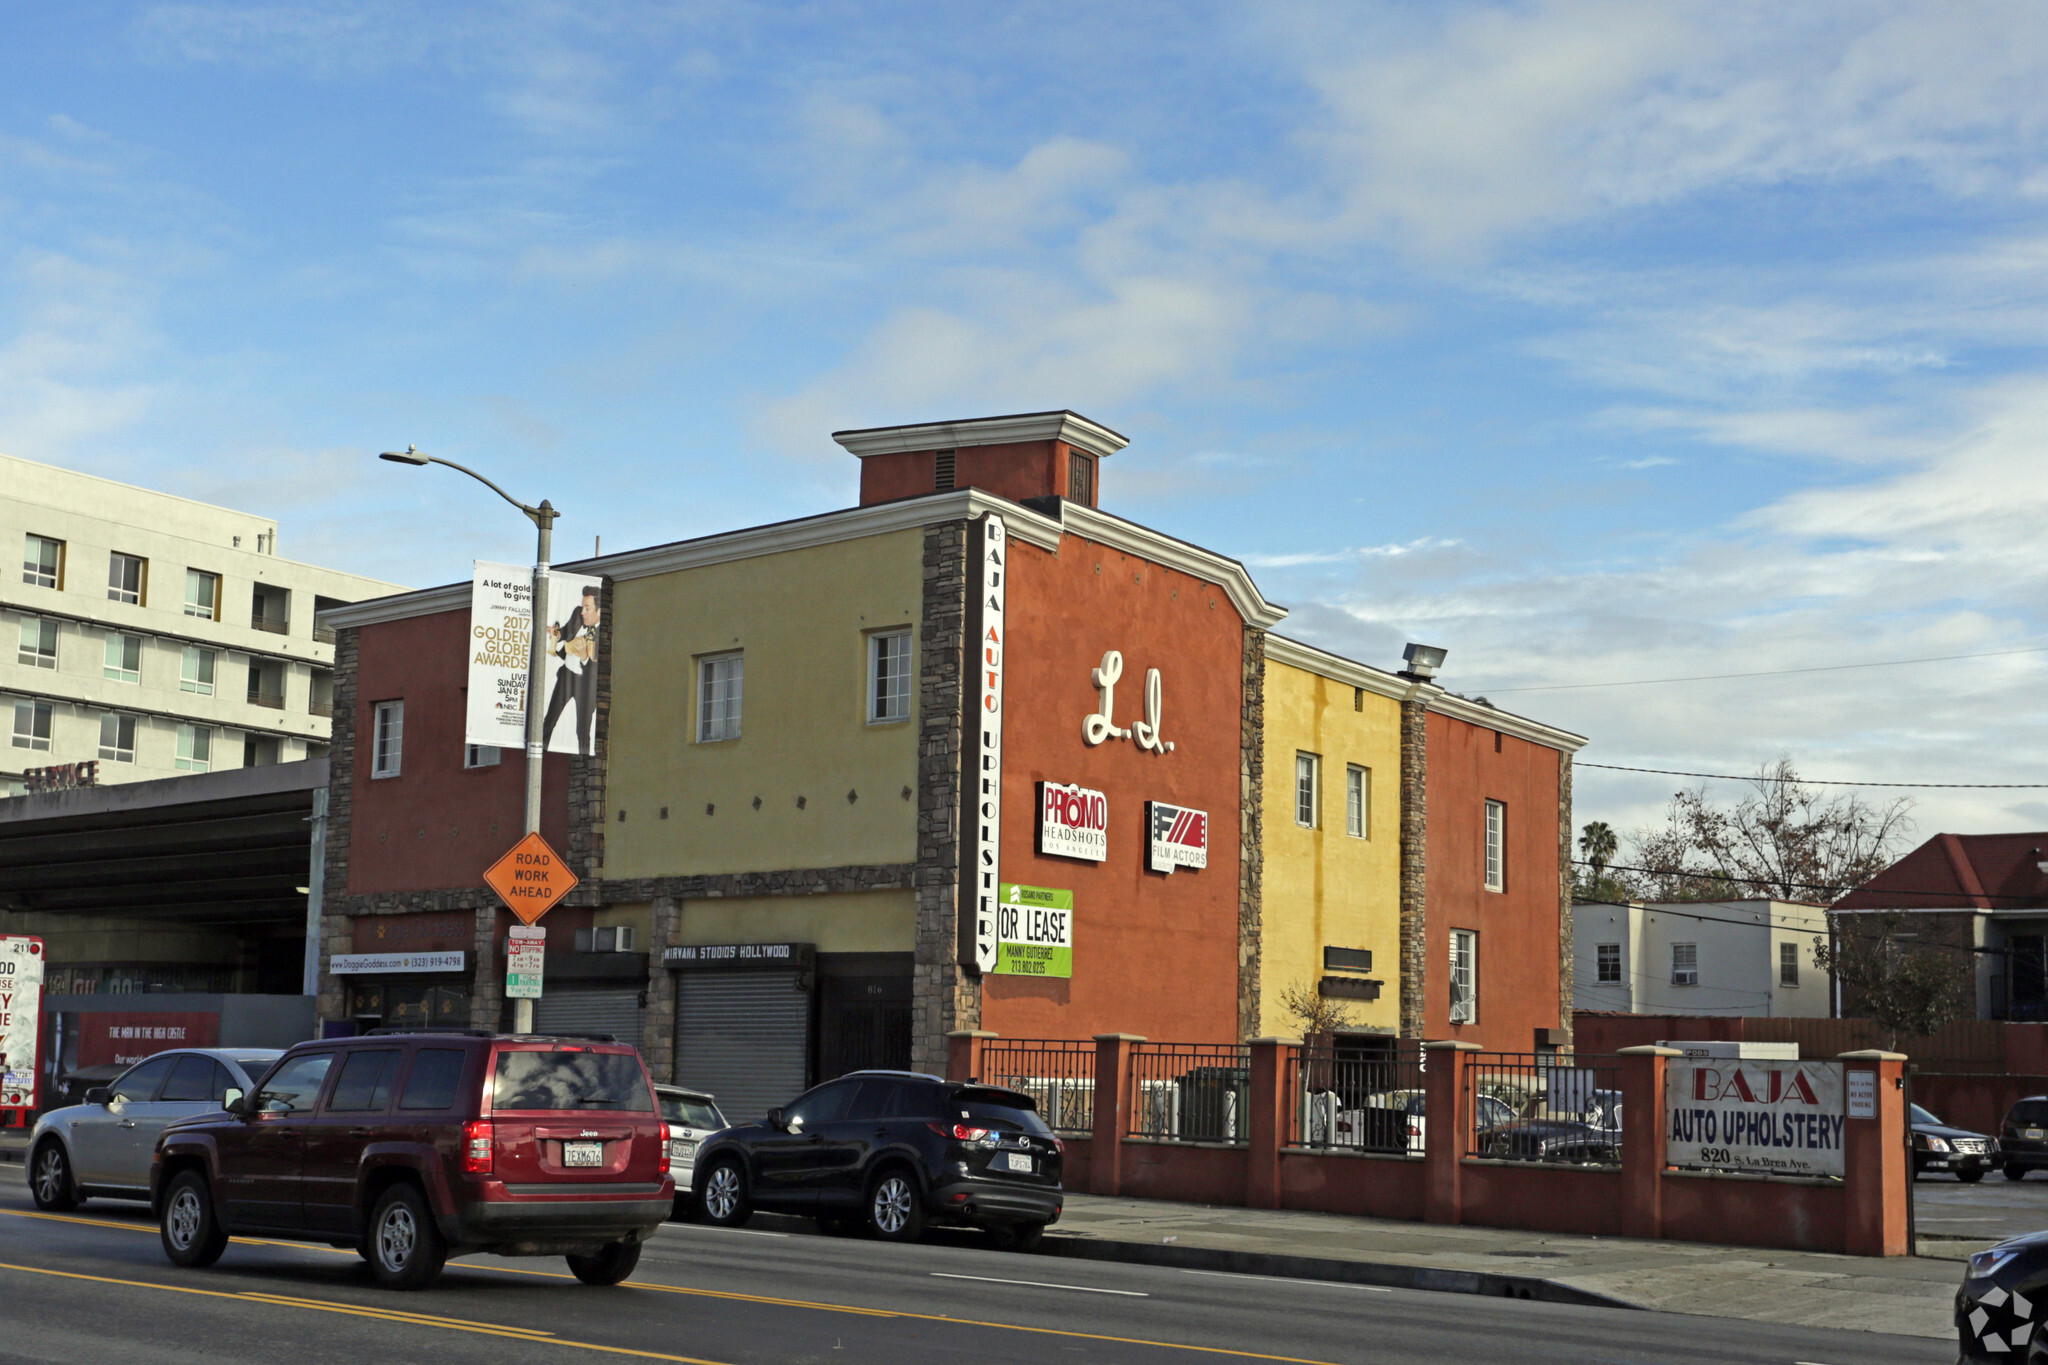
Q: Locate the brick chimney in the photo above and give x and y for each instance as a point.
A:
(1028, 455)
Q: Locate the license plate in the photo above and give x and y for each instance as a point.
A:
(682, 1149)
(1017, 1161)
(583, 1154)
(2036, 1134)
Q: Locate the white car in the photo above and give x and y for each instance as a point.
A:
(103, 1147)
(1392, 1120)
(692, 1116)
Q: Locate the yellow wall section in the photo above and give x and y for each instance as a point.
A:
(857, 922)
(1324, 887)
(800, 618)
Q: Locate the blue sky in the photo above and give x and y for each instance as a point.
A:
(1593, 341)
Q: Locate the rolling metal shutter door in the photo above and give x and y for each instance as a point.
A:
(589, 1009)
(743, 1036)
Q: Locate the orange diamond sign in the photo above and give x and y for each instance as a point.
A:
(531, 878)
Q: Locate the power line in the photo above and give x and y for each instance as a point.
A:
(1661, 908)
(1772, 882)
(1772, 672)
(1824, 781)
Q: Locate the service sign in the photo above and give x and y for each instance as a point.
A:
(1073, 822)
(21, 999)
(1035, 931)
(1766, 1118)
(1180, 837)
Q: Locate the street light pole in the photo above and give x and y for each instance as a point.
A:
(543, 517)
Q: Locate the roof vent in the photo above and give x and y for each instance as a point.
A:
(1423, 661)
(942, 470)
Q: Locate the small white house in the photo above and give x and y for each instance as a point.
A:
(1749, 957)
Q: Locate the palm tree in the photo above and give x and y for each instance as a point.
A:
(1597, 845)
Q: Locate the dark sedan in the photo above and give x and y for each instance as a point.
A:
(1999, 1306)
(1589, 1138)
(1938, 1147)
(890, 1151)
(2023, 1137)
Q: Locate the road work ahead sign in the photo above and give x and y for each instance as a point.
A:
(531, 878)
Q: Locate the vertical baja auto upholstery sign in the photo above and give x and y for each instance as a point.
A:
(1073, 822)
(1035, 931)
(21, 1000)
(1766, 1118)
(500, 637)
(985, 733)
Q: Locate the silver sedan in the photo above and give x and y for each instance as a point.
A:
(104, 1146)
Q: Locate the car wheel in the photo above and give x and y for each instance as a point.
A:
(1018, 1236)
(1969, 1177)
(896, 1207)
(406, 1249)
(724, 1202)
(193, 1236)
(2015, 1171)
(50, 1179)
(611, 1264)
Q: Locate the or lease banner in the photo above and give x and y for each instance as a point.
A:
(1034, 931)
(1764, 1118)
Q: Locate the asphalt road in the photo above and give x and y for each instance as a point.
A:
(94, 1287)
(1991, 1209)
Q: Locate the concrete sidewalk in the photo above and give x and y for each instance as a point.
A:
(1908, 1295)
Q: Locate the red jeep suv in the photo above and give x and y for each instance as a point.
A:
(415, 1147)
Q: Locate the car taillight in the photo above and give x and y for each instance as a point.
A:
(960, 1132)
(663, 1168)
(478, 1141)
(1058, 1146)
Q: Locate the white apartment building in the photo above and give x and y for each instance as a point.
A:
(153, 635)
(1749, 957)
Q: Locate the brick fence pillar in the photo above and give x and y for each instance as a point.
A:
(1876, 1171)
(1642, 1139)
(1113, 1052)
(963, 1053)
(1447, 1118)
(1266, 1128)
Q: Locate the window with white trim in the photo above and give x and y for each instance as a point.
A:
(721, 680)
(117, 738)
(38, 642)
(1607, 963)
(1357, 800)
(387, 742)
(888, 676)
(1685, 964)
(1496, 845)
(42, 562)
(195, 748)
(202, 594)
(127, 578)
(32, 725)
(481, 755)
(1464, 976)
(1788, 964)
(1307, 778)
(124, 659)
(196, 674)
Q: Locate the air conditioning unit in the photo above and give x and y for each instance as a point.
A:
(614, 938)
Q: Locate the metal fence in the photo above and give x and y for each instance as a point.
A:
(1060, 1076)
(1191, 1092)
(1540, 1107)
(1353, 1097)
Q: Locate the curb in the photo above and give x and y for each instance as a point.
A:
(1386, 1275)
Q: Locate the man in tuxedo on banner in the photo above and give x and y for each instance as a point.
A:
(574, 642)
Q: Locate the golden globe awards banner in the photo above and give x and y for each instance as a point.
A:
(500, 636)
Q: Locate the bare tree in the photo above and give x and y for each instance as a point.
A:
(1782, 839)
(1319, 1017)
(1910, 989)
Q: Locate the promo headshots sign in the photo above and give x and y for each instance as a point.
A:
(500, 636)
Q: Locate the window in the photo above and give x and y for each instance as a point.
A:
(435, 1076)
(139, 1083)
(196, 1077)
(32, 725)
(888, 677)
(1607, 957)
(124, 659)
(1496, 840)
(481, 755)
(718, 705)
(612, 1081)
(127, 578)
(365, 1081)
(1685, 964)
(202, 594)
(117, 738)
(260, 752)
(294, 1086)
(1788, 964)
(1464, 976)
(197, 673)
(38, 642)
(1081, 480)
(42, 562)
(1357, 795)
(1306, 777)
(388, 746)
(195, 748)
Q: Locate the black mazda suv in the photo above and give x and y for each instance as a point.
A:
(893, 1152)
